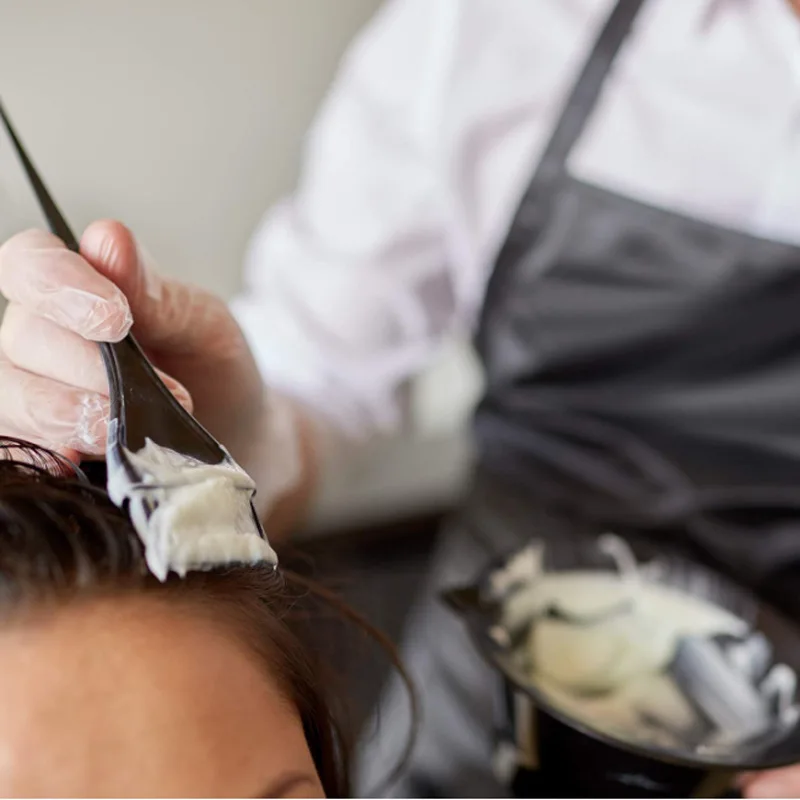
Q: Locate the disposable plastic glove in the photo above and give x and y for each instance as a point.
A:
(53, 385)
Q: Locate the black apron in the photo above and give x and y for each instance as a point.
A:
(643, 374)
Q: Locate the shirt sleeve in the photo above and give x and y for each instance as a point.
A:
(348, 290)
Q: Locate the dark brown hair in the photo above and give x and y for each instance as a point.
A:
(61, 537)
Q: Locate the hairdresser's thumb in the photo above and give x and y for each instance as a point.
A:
(163, 310)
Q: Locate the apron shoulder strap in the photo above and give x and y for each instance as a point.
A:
(587, 88)
(533, 206)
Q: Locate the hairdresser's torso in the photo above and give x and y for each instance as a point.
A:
(429, 139)
(624, 247)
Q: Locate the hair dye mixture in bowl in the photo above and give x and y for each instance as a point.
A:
(626, 655)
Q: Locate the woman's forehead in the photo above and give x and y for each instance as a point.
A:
(137, 695)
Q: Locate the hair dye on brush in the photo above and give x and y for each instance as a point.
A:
(202, 517)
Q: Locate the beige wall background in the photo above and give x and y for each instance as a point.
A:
(186, 119)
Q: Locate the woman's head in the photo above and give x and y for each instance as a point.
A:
(112, 683)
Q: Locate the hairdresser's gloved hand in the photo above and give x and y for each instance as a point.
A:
(773, 783)
(53, 388)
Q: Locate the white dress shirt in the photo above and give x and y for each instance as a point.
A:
(429, 136)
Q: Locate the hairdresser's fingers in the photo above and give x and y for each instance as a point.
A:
(39, 273)
(783, 782)
(39, 346)
(40, 409)
(42, 347)
(170, 316)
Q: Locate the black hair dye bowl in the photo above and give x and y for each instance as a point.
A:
(559, 755)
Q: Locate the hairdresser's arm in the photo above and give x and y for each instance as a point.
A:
(348, 283)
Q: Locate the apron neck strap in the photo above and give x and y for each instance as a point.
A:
(587, 88)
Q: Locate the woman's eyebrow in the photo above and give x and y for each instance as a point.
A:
(284, 783)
